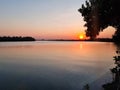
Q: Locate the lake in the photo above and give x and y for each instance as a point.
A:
(55, 65)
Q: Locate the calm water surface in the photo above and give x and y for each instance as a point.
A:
(54, 65)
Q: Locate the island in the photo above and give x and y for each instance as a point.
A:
(16, 38)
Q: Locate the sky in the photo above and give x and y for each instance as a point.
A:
(43, 19)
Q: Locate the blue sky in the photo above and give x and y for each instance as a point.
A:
(41, 18)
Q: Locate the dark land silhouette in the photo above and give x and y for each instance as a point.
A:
(96, 40)
(16, 38)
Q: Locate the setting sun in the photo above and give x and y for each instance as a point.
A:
(81, 37)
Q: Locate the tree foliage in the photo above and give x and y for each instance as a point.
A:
(99, 14)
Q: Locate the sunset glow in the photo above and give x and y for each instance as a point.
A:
(81, 37)
(58, 19)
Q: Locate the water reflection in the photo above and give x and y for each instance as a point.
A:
(115, 71)
(53, 65)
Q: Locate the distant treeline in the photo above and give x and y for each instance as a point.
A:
(97, 39)
(16, 38)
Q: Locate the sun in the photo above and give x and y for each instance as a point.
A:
(81, 36)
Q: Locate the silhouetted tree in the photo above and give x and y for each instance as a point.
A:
(99, 14)
(90, 13)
